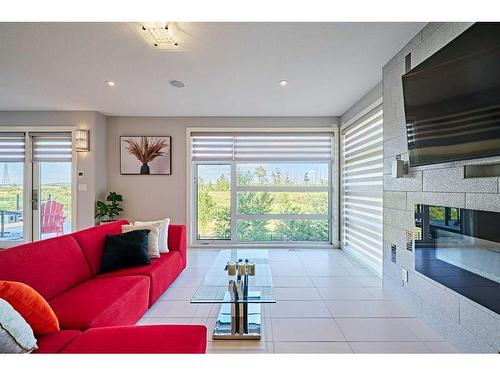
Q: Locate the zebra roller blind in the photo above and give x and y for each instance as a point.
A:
(55, 147)
(12, 147)
(362, 178)
(261, 146)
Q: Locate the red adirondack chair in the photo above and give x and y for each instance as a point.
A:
(52, 218)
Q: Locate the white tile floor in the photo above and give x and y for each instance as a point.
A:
(326, 303)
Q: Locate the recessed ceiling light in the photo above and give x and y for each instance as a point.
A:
(110, 83)
(177, 84)
(283, 82)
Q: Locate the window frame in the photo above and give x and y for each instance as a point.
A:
(332, 188)
(29, 131)
(195, 168)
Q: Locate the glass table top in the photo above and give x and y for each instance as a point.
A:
(216, 284)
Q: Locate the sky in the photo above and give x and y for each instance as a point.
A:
(61, 172)
(51, 173)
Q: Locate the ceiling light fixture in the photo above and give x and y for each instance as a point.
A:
(177, 84)
(110, 83)
(283, 82)
(159, 35)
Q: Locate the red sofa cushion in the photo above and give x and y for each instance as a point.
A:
(162, 272)
(177, 241)
(56, 341)
(182, 339)
(30, 305)
(106, 301)
(91, 241)
(49, 266)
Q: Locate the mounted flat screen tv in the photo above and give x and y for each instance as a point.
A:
(452, 100)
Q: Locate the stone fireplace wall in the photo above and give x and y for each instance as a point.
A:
(465, 324)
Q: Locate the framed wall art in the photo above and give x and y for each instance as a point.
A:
(146, 155)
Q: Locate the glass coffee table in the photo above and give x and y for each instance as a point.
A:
(239, 280)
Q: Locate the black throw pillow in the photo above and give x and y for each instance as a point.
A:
(125, 250)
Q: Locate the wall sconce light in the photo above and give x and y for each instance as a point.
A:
(82, 140)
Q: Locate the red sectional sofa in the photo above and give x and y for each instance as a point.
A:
(64, 271)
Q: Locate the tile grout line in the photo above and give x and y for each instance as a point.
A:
(309, 277)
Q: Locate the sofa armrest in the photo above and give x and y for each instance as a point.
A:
(143, 339)
(177, 240)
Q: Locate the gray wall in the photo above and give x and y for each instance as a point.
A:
(360, 106)
(93, 163)
(98, 146)
(467, 325)
(150, 197)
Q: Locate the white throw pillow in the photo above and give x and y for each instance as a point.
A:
(163, 236)
(153, 250)
(16, 336)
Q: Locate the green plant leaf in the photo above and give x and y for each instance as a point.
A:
(111, 209)
(113, 197)
(101, 205)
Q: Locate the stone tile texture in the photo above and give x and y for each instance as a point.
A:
(466, 325)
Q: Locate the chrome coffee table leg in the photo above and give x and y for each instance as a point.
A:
(238, 321)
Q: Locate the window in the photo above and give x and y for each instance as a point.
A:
(448, 217)
(36, 190)
(12, 160)
(362, 179)
(52, 172)
(213, 201)
(256, 187)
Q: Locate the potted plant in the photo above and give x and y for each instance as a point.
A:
(106, 212)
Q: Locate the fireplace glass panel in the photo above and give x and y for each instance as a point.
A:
(460, 249)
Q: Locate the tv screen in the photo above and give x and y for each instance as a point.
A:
(452, 100)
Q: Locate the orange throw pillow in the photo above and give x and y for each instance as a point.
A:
(31, 306)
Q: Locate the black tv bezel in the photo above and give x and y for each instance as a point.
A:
(448, 160)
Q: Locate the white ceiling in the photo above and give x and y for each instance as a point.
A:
(230, 69)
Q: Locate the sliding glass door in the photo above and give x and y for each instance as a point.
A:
(52, 171)
(36, 190)
(12, 188)
(262, 188)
